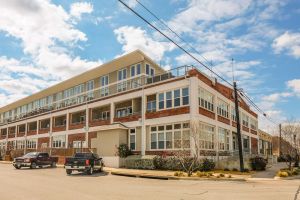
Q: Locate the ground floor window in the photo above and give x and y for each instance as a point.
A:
(246, 143)
(170, 136)
(59, 141)
(78, 144)
(31, 144)
(207, 136)
(223, 139)
(132, 139)
(21, 144)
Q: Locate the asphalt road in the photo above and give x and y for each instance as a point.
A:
(54, 184)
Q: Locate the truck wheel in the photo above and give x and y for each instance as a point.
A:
(33, 165)
(90, 171)
(17, 167)
(53, 164)
(68, 171)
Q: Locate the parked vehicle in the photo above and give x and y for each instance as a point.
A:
(35, 159)
(84, 162)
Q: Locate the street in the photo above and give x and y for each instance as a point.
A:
(53, 184)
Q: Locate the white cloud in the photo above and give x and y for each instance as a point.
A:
(79, 8)
(47, 34)
(295, 86)
(133, 38)
(288, 42)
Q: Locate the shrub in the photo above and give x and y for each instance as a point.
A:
(295, 173)
(167, 163)
(222, 175)
(229, 176)
(258, 163)
(226, 169)
(178, 173)
(139, 162)
(282, 174)
(123, 151)
(235, 169)
(201, 174)
(207, 165)
(159, 162)
(246, 170)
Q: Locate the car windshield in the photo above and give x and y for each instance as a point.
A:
(83, 155)
(32, 154)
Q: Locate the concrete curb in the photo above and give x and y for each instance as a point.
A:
(135, 175)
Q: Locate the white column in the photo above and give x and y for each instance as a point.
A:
(143, 129)
(194, 110)
(112, 112)
(87, 118)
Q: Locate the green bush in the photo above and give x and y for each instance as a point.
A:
(123, 151)
(206, 165)
(222, 175)
(258, 163)
(139, 162)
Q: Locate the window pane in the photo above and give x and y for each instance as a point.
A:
(161, 142)
(132, 70)
(138, 69)
(169, 140)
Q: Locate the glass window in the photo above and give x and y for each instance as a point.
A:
(169, 140)
(147, 69)
(186, 139)
(185, 96)
(169, 99)
(132, 71)
(161, 98)
(176, 98)
(132, 138)
(138, 69)
(206, 136)
(222, 108)
(161, 140)
(153, 141)
(177, 139)
(206, 100)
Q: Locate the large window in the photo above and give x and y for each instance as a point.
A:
(223, 139)
(122, 75)
(149, 70)
(90, 87)
(123, 112)
(132, 138)
(222, 108)
(233, 115)
(206, 100)
(174, 98)
(253, 124)
(151, 106)
(31, 144)
(170, 136)
(20, 144)
(207, 136)
(59, 141)
(245, 120)
(104, 88)
(246, 143)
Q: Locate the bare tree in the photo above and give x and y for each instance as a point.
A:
(291, 134)
(189, 156)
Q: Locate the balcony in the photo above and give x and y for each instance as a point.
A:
(113, 89)
(128, 110)
(99, 116)
(3, 133)
(32, 128)
(44, 126)
(59, 123)
(77, 120)
(21, 130)
(12, 132)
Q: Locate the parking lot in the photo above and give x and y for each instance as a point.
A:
(53, 184)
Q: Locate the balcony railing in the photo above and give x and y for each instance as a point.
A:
(99, 93)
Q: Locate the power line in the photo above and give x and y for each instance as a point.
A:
(180, 47)
(171, 40)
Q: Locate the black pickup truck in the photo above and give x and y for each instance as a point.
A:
(35, 159)
(84, 162)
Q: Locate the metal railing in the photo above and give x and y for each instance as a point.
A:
(102, 92)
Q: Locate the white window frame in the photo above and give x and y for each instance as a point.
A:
(104, 82)
(207, 99)
(129, 138)
(223, 108)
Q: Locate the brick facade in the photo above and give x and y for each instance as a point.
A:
(76, 126)
(76, 137)
(169, 112)
(44, 130)
(254, 145)
(207, 113)
(129, 118)
(43, 140)
(99, 123)
(58, 128)
(223, 120)
(32, 132)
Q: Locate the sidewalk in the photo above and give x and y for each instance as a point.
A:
(270, 173)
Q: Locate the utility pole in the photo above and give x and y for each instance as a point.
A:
(279, 143)
(238, 127)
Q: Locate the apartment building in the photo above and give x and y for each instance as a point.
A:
(129, 100)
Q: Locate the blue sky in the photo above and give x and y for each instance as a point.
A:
(44, 42)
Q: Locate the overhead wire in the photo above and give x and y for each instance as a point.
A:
(185, 51)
